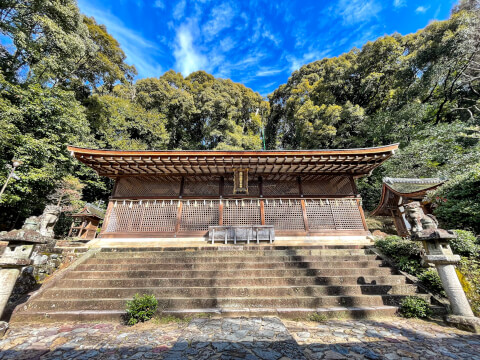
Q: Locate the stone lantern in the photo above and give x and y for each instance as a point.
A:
(437, 251)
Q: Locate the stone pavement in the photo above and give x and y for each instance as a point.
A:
(240, 338)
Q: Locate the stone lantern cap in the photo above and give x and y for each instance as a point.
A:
(21, 237)
(434, 235)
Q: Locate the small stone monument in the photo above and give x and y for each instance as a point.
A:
(437, 251)
(19, 246)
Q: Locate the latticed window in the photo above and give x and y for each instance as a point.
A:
(140, 186)
(284, 214)
(199, 215)
(241, 212)
(327, 185)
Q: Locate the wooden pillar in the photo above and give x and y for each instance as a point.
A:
(300, 187)
(260, 186)
(220, 213)
(304, 212)
(364, 222)
(262, 212)
(179, 217)
(106, 219)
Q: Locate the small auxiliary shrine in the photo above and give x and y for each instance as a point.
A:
(183, 193)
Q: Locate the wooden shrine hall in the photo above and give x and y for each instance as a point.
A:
(182, 194)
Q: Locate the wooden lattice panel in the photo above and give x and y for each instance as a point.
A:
(327, 185)
(280, 188)
(201, 187)
(346, 215)
(333, 215)
(159, 216)
(319, 215)
(284, 214)
(238, 213)
(199, 215)
(253, 189)
(137, 186)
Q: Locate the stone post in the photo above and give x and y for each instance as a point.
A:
(437, 251)
(15, 256)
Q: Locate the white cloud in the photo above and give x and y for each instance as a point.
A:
(220, 18)
(159, 4)
(355, 11)
(422, 9)
(139, 50)
(227, 44)
(399, 3)
(268, 72)
(296, 62)
(179, 10)
(188, 59)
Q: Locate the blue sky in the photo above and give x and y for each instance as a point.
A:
(258, 43)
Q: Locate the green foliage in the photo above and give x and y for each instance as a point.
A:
(468, 272)
(431, 280)
(465, 245)
(414, 307)
(405, 253)
(459, 200)
(317, 317)
(141, 308)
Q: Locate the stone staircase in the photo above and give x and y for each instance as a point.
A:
(347, 281)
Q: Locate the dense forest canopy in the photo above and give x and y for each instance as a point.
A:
(64, 80)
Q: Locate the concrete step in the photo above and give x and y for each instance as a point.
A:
(222, 259)
(228, 302)
(229, 273)
(238, 281)
(358, 312)
(197, 253)
(231, 265)
(250, 291)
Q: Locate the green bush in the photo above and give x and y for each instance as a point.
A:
(141, 308)
(465, 244)
(458, 201)
(431, 280)
(405, 253)
(468, 272)
(414, 307)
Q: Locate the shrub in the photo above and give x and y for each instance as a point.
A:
(469, 275)
(141, 308)
(405, 253)
(431, 280)
(465, 244)
(414, 307)
(458, 200)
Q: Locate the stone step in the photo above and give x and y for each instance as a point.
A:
(230, 266)
(229, 302)
(198, 253)
(229, 273)
(201, 292)
(373, 312)
(238, 281)
(223, 259)
(230, 247)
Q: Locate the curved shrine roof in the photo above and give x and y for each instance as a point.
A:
(409, 188)
(113, 163)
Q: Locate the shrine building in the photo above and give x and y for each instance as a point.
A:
(300, 194)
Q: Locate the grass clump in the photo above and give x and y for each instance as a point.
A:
(317, 317)
(414, 307)
(141, 308)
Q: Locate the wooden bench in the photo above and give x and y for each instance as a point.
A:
(241, 233)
